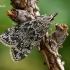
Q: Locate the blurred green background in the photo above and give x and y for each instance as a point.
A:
(35, 60)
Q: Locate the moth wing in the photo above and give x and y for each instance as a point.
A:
(19, 54)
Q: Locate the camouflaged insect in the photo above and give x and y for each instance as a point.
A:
(22, 38)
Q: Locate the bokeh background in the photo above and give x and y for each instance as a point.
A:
(35, 60)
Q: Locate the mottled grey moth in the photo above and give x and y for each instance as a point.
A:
(23, 37)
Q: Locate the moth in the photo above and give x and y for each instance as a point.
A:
(23, 37)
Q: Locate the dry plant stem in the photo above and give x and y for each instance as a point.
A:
(50, 44)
